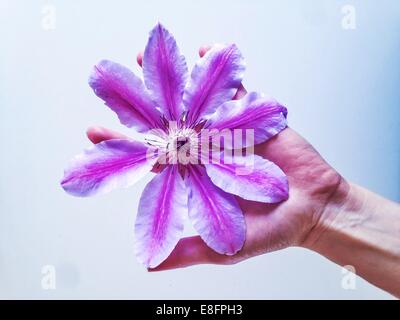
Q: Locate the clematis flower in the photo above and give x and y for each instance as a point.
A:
(205, 191)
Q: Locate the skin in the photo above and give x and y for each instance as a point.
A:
(324, 213)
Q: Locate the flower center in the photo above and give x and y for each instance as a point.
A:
(181, 142)
(177, 143)
(182, 145)
(181, 139)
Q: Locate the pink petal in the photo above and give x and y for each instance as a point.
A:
(165, 72)
(251, 177)
(105, 166)
(215, 215)
(160, 220)
(125, 94)
(265, 115)
(215, 79)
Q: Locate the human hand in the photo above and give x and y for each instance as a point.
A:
(313, 186)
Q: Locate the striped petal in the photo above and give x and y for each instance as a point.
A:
(125, 94)
(250, 177)
(215, 214)
(255, 112)
(214, 80)
(160, 220)
(107, 165)
(165, 72)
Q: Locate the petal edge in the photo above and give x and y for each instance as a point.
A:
(215, 215)
(160, 220)
(165, 71)
(254, 111)
(110, 164)
(250, 177)
(214, 80)
(124, 93)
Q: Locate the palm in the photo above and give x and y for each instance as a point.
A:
(311, 181)
(269, 226)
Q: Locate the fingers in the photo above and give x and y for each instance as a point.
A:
(192, 251)
(99, 134)
(139, 58)
(203, 50)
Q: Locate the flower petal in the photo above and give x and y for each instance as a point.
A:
(107, 165)
(160, 220)
(263, 114)
(165, 72)
(215, 79)
(125, 94)
(215, 215)
(250, 177)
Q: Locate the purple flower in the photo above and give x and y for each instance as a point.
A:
(204, 190)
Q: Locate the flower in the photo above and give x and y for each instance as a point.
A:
(178, 110)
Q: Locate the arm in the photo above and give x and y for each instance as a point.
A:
(343, 222)
(324, 213)
(361, 229)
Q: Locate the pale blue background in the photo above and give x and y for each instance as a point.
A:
(341, 88)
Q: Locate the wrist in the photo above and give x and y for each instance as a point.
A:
(361, 229)
(341, 201)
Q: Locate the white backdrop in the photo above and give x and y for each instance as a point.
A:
(340, 86)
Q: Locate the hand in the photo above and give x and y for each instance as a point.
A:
(343, 222)
(313, 186)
